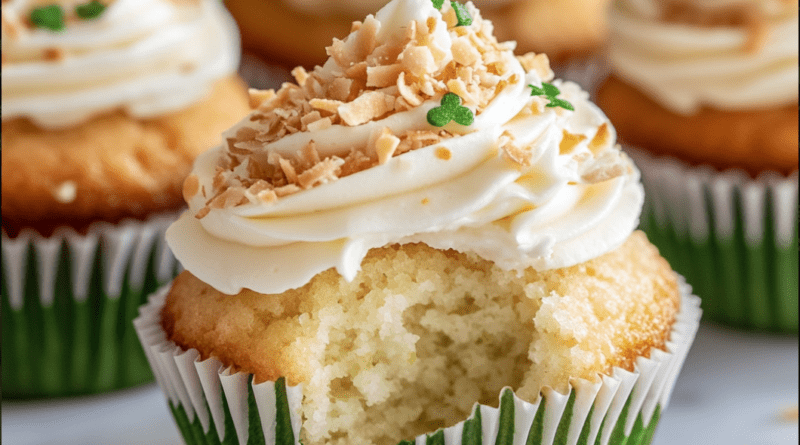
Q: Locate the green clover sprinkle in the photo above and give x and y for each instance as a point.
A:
(464, 19)
(91, 10)
(49, 17)
(451, 110)
(437, 3)
(551, 91)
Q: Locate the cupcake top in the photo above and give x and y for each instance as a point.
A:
(67, 60)
(724, 54)
(420, 127)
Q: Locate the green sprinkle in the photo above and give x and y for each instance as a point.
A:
(451, 110)
(551, 91)
(464, 19)
(437, 3)
(49, 17)
(91, 10)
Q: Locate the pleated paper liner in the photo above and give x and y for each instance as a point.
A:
(734, 238)
(213, 405)
(67, 305)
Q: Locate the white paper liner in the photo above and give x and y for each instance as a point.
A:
(126, 248)
(676, 195)
(650, 384)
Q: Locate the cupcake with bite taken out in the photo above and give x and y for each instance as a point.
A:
(426, 237)
(105, 106)
(704, 96)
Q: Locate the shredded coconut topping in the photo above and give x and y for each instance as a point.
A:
(362, 82)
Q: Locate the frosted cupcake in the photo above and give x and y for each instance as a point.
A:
(105, 106)
(419, 228)
(705, 96)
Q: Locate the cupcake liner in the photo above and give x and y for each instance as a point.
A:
(733, 237)
(213, 404)
(67, 305)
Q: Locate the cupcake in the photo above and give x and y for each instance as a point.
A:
(563, 29)
(425, 239)
(704, 96)
(105, 107)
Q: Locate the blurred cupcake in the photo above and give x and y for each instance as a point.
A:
(419, 228)
(105, 106)
(704, 95)
(566, 30)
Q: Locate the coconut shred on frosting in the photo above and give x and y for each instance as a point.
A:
(726, 54)
(148, 57)
(345, 161)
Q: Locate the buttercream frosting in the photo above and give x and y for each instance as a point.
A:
(739, 64)
(524, 185)
(148, 57)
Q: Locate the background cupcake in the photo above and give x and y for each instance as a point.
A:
(300, 30)
(418, 228)
(705, 96)
(105, 106)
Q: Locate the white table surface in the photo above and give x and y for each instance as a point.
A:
(735, 389)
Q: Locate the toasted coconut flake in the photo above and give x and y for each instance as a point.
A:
(338, 53)
(366, 38)
(309, 154)
(231, 197)
(609, 165)
(366, 107)
(320, 124)
(458, 86)
(331, 106)
(355, 26)
(357, 71)
(418, 60)
(538, 63)
(191, 185)
(601, 139)
(513, 152)
(406, 92)
(383, 76)
(322, 173)
(244, 134)
(288, 170)
(340, 88)
(300, 75)
(464, 53)
(202, 212)
(310, 118)
(385, 145)
(285, 190)
(569, 141)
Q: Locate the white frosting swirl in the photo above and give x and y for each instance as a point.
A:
(543, 215)
(685, 67)
(148, 57)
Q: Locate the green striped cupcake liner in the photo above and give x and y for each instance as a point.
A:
(733, 237)
(67, 305)
(212, 404)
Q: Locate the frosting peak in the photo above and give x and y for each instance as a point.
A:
(346, 160)
(156, 56)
